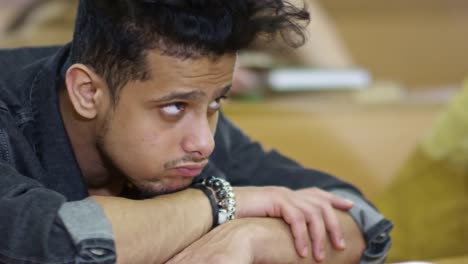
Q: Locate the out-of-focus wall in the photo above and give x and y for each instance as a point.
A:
(363, 144)
(42, 22)
(420, 43)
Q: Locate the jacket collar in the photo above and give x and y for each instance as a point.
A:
(51, 140)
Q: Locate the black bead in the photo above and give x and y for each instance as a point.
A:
(210, 180)
(217, 184)
(221, 194)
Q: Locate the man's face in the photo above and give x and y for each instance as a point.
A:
(160, 133)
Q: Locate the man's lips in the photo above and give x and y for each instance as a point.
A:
(190, 170)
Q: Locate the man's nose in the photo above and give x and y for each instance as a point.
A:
(199, 139)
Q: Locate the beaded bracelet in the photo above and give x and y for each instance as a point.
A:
(222, 199)
(226, 198)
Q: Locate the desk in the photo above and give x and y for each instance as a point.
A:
(456, 260)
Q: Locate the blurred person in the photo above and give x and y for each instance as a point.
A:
(428, 199)
(113, 148)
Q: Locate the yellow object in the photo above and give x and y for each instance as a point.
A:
(428, 204)
(449, 138)
(428, 199)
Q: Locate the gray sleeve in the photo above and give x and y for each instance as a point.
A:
(374, 226)
(90, 231)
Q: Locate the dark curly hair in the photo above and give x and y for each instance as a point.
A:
(113, 36)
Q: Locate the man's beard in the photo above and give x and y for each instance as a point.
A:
(140, 190)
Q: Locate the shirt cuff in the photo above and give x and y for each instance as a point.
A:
(90, 231)
(375, 227)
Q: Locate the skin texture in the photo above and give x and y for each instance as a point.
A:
(266, 241)
(155, 127)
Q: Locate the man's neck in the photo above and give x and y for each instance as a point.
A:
(82, 134)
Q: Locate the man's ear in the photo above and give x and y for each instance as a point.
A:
(85, 90)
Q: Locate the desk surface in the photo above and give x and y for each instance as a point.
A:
(453, 260)
(456, 260)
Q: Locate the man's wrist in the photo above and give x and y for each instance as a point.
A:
(191, 198)
(222, 199)
(213, 203)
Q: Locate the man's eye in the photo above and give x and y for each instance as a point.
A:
(216, 104)
(173, 109)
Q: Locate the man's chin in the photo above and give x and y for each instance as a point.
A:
(149, 190)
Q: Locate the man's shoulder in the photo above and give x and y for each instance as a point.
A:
(19, 68)
(20, 63)
(17, 58)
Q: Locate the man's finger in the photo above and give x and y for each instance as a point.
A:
(317, 233)
(295, 218)
(341, 203)
(333, 227)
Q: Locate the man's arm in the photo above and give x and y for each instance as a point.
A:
(154, 230)
(266, 240)
(29, 225)
(38, 225)
(274, 243)
(147, 231)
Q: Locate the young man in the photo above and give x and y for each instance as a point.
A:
(102, 138)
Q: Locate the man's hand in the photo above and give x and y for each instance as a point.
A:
(309, 212)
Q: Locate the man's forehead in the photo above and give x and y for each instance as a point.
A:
(196, 64)
(207, 75)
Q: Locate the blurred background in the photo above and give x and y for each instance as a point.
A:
(376, 96)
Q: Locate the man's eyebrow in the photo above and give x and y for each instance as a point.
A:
(192, 95)
(224, 91)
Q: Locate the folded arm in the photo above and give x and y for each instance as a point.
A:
(266, 240)
(39, 225)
